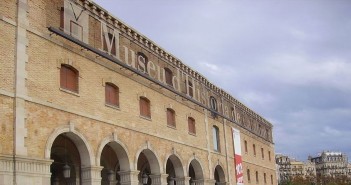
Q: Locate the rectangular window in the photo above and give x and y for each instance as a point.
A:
(254, 149)
(191, 125)
(145, 107)
(171, 117)
(269, 155)
(215, 133)
(262, 153)
(245, 142)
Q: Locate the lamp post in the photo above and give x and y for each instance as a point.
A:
(111, 175)
(66, 171)
(144, 178)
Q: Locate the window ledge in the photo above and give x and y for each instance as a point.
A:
(144, 117)
(171, 126)
(193, 134)
(112, 106)
(69, 92)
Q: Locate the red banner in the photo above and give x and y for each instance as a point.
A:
(238, 162)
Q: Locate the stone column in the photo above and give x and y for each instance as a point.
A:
(182, 181)
(91, 175)
(160, 179)
(129, 177)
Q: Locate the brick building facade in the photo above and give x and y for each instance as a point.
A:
(86, 99)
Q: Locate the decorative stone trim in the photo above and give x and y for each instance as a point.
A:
(6, 164)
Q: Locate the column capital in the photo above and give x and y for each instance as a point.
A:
(129, 177)
(91, 175)
(159, 179)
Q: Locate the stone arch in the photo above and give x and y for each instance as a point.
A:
(119, 148)
(177, 164)
(220, 173)
(195, 162)
(151, 156)
(85, 151)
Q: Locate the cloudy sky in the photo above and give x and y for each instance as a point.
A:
(290, 61)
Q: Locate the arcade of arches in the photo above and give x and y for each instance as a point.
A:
(72, 165)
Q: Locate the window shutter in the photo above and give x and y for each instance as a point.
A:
(191, 125)
(63, 77)
(68, 78)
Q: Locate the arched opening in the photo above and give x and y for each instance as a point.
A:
(174, 170)
(110, 164)
(113, 159)
(147, 165)
(195, 172)
(219, 175)
(66, 168)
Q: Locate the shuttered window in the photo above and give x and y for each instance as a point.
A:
(171, 117)
(69, 78)
(111, 94)
(191, 125)
(145, 107)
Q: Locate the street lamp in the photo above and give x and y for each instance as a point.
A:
(111, 175)
(66, 171)
(144, 178)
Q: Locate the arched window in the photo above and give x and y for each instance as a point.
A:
(69, 78)
(215, 132)
(191, 125)
(145, 107)
(111, 94)
(168, 76)
(256, 176)
(265, 178)
(248, 175)
(171, 117)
